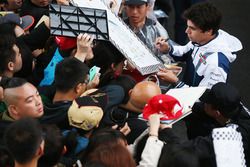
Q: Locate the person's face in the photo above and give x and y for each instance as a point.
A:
(119, 68)
(209, 110)
(19, 31)
(18, 59)
(41, 3)
(29, 102)
(82, 87)
(136, 14)
(14, 4)
(195, 34)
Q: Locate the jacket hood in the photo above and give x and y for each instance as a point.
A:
(226, 44)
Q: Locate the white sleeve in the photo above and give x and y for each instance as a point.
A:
(212, 75)
(151, 153)
(179, 50)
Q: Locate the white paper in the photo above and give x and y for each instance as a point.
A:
(187, 97)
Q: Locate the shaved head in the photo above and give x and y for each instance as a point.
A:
(10, 97)
(142, 92)
(23, 101)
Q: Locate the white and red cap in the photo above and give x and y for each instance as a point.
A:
(165, 105)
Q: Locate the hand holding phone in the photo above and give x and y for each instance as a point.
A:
(93, 71)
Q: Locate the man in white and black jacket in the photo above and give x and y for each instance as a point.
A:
(209, 53)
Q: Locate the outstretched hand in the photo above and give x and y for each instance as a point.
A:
(125, 129)
(167, 75)
(154, 124)
(84, 42)
(95, 82)
(162, 44)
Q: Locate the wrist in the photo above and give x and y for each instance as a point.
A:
(80, 56)
(153, 134)
(176, 83)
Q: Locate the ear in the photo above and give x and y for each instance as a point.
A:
(209, 32)
(80, 87)
(10, 66)
(64, 150)
(217, 114)
(40, 150)
(113, 67)
(130, 92)
(13, 111)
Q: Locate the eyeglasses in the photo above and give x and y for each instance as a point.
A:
(86, 81)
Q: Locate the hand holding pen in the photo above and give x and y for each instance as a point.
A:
(162, 44)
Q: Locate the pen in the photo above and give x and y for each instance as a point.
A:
(167, 39)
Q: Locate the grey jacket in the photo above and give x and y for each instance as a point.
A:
(148, 34)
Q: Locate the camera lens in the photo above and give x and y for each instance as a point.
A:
(118, 117)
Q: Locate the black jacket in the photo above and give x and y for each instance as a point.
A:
(28, 8)
(200, 124)
(119, 115)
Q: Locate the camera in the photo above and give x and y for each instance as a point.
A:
(119, 117)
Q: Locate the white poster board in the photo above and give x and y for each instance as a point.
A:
(187, 97)
(125, 40)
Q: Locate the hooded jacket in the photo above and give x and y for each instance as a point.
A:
(209, 63)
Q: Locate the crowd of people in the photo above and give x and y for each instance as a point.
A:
(52, 113)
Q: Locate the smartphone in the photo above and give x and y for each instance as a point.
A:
(93, 71)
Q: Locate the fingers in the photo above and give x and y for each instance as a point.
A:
(114, 126)
(85, 38)
(168, 76)
(176, 69)
(173, 67)
(161, 44)
(163, 69)
(154, 119)
(125, 129)
(159, 40)
(164, 126)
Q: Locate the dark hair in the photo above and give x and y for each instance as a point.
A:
(106, 54)
(175, 155)
(205, 16)
(112, 155)
(71, 141)
(7, 53)
(23, 138)
(8, 29)
(12, 82)
(103, 137)
(3, 2)
(69, 73)
(53, 146)
(127, 83)
(5, 157)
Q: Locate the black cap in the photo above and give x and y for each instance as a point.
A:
(136, 2)
(224, 97)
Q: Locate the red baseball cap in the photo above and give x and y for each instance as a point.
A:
(65, 43)
(163, 104)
